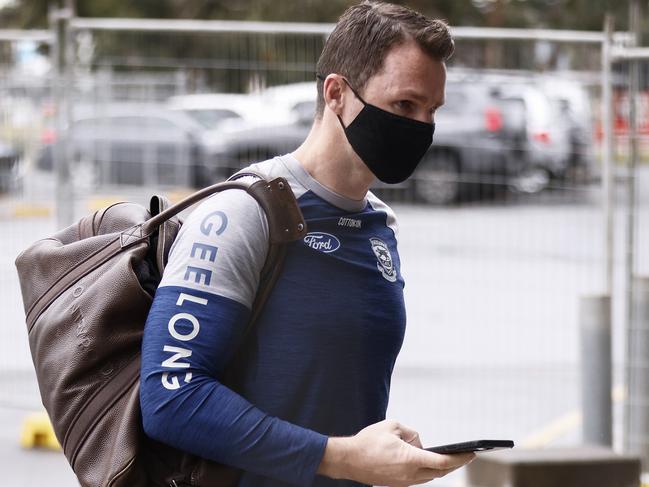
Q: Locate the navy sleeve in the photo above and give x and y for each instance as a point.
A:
(193, 328)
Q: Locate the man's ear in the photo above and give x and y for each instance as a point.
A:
(333, 91)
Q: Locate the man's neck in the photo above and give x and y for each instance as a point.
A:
(327, 159)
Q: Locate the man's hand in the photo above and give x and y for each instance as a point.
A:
(387, 453)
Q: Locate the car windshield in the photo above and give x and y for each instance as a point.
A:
(210, 119)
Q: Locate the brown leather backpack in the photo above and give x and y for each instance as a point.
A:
(87, 291)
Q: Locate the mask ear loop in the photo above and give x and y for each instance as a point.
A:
(322, 78)
(354, 91)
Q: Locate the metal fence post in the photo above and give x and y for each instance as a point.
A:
(634, 24)
(596, 375)
(636, 427)
(608, 189)
(638, 360)
(60, 24)
(595, 312)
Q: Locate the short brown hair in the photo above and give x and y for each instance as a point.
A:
(364, 35)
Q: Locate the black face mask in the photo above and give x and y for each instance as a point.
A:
(390, 145)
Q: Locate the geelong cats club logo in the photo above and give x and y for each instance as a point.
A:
(385, 264)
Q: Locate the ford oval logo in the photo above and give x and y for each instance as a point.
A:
(324, 242)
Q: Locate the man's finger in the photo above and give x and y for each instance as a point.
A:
(416, 441)
(409, 435)
(427, 459)
(431, 473)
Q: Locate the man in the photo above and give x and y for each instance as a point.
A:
(312, 381)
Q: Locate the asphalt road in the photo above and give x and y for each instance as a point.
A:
(492, 293)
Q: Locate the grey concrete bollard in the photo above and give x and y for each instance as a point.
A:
(638, 374)
(596, 374)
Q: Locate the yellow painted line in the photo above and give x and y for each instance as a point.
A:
(25, 210)
(564, 424)
(98, 203)
(101, 202)
(175, 195)
(553, 430)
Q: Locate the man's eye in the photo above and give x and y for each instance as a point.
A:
(404, 105)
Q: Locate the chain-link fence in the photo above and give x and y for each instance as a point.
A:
(630, 123)
(502, 227)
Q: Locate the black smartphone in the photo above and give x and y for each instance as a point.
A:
(472, 446)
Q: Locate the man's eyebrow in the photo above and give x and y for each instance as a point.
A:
(411, 93)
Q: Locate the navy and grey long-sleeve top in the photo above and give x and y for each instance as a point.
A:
(316, 364)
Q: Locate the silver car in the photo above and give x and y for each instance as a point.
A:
(135, 144)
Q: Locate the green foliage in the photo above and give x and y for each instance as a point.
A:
(239, 63)
(560, 14)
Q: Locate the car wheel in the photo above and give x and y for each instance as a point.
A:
(532, 180)
(437, 178)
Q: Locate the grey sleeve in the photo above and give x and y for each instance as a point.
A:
(221, 248)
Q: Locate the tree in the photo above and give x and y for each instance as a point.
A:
(559, 14)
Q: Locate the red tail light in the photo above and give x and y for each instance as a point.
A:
(543, 137)
(48, 136)
(493, 119)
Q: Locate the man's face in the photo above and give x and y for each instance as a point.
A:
(410, 84)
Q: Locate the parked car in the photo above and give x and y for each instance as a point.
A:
(290, 103)
(572, 102)
(558, 136)
(135, 144)
(281, 121)
(276, 105)
(216, 110)
(236, 149)
(474, 146)
(9, 167)
(544, 140)
(539, 134)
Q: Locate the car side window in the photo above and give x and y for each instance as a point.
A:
(146, 123)
(211, 118)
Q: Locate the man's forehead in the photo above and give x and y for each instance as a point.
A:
(409, 71)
